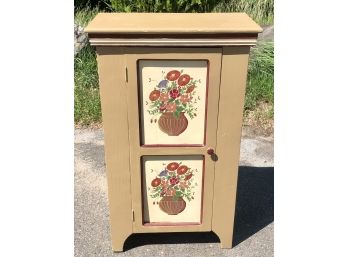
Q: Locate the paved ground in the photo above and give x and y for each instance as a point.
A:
(253, 234)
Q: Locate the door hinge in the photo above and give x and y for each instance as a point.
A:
(126, 74)
(133, 215)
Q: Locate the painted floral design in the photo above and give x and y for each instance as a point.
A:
(172, 98)
(171, 186)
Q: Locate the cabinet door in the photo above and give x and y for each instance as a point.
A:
(172, 98)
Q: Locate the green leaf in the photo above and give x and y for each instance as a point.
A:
(176, 114)
(178, 194)
(179, 109)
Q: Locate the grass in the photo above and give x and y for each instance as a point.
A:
(262, 11)
(259, 98)
(260, 76)
(87, 110)
(84, 15)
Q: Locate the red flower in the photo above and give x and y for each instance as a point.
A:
(173, 181)
(156, 182)
(172, 166)
(163, 107)
(173, 75)
(174, 93)
(154, 95)
(188, 176)
(182, 169)
(190, 89)
(183, 80)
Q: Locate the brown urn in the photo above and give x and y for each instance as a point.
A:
(172, 205)
(172, 125)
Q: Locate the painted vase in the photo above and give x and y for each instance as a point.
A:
(171, 125)
(172, 205)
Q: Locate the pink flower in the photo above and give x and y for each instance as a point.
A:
(170, 192)
(164, 183)
(183, 185)
(164, 97)
(185, 99)
(171, 107)
(163, 192)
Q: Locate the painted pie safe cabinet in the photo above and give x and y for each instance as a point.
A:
(172, 92)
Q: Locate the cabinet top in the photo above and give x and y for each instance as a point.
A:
(172, 23)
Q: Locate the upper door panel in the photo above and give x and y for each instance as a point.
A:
(173, 101)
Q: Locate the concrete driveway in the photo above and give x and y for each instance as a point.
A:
(253, 232)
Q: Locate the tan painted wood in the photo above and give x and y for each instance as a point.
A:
(173, 42)
(123, 152)
(114, 110)
(163, 150)
(181, 23)
(232, 91)
(136, 151)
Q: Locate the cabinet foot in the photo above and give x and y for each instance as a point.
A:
(118, 242)
(225, 240)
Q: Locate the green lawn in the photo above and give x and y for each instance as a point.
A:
(87, 108)
(260, 81)
(84, 15)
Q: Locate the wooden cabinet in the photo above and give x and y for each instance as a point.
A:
(172, 92)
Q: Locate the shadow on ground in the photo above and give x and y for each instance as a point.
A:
(254, 211)
(255, 201)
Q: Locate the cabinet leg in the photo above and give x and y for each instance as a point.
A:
(226, 242)
(225, 239)
(118, 242)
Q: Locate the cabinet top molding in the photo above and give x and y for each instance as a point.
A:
(159, 23)
(176, 28)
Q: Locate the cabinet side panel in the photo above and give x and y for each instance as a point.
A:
(232, 90)
(111, 71)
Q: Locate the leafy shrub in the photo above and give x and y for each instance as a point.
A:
(262, 11)
(85, 68)
(160, 5)
(87, 108)
(260, 84)
(84, 15)
(262, 59)
(81, 4)
(259, 10)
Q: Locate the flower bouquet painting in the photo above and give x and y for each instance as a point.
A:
(172, 99)
(172, 186)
